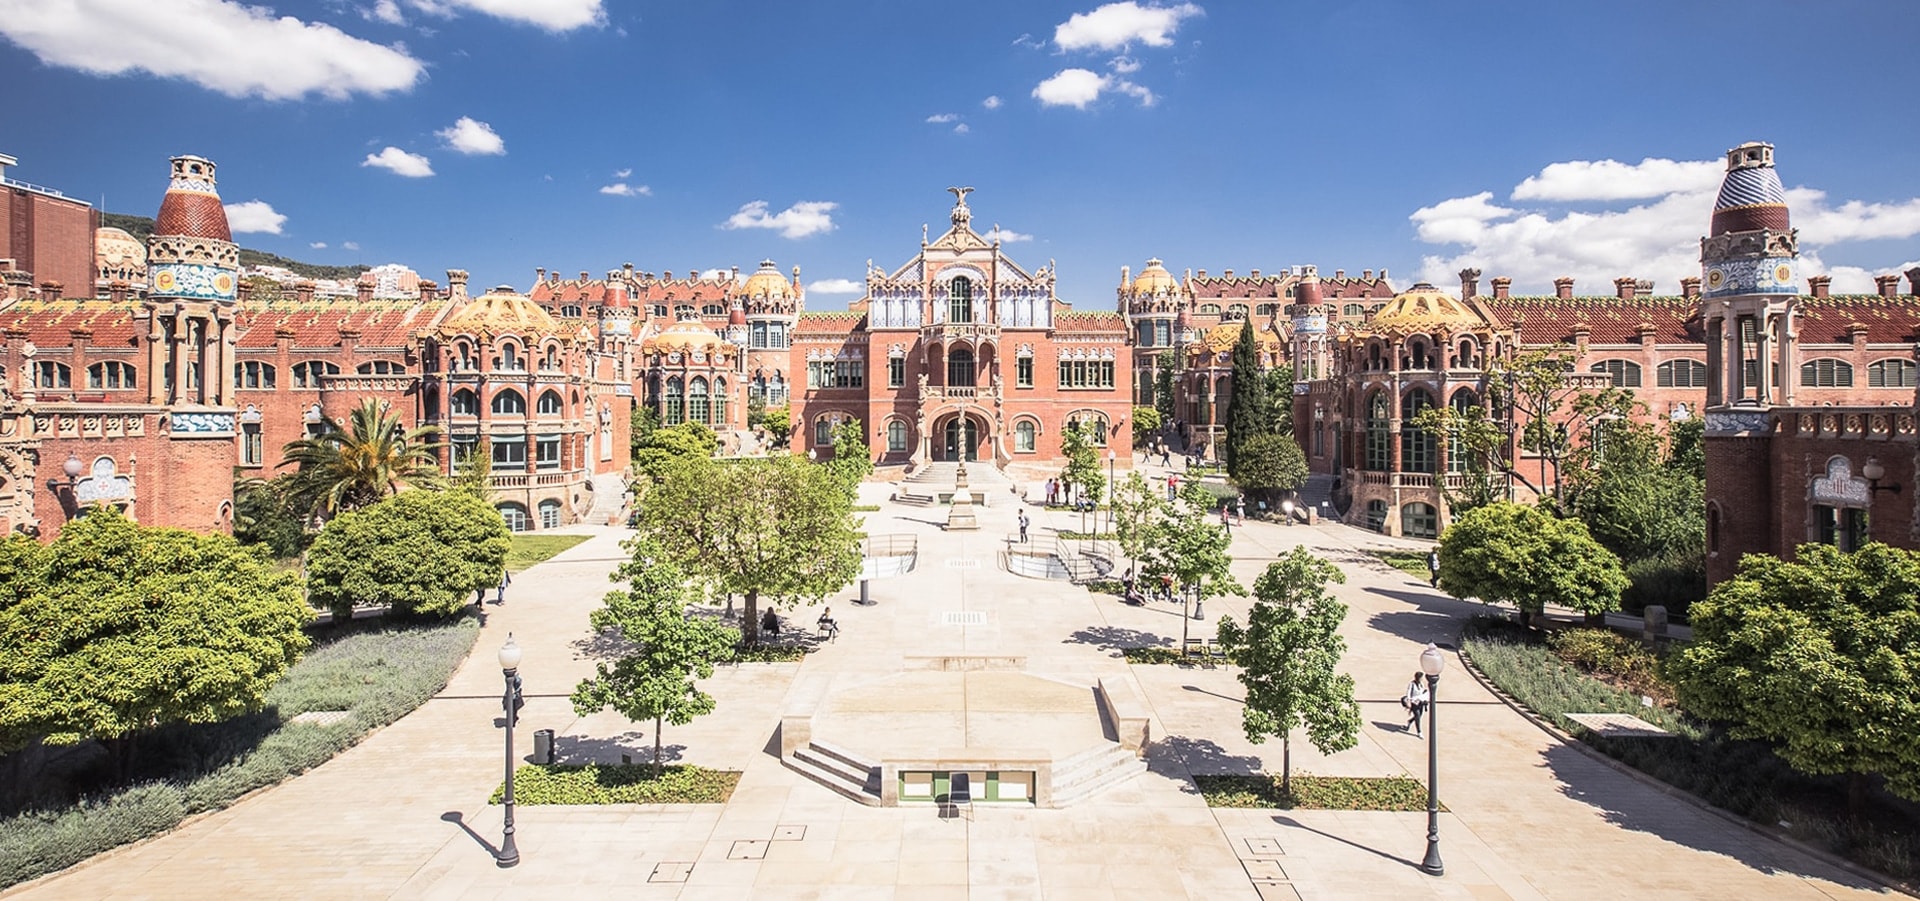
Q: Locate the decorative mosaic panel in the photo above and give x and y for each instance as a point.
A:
(1767, 275)
(1739, 422)
(193, 280)
(1310, 324)
(203, 423)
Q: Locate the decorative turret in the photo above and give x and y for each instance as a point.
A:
(1309, 327)
(191, 255)
(1746, 266)
(616, 311)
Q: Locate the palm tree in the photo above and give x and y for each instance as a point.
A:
(346, 469)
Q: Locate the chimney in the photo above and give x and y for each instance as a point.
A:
(51, 290)
(1339, 273)
(1690, 287)
(457, 284)
(1226, 273)
(428, 290)
(1469, 283)
(363, 290)
(1886, 285)
(1563, 288)
(1502, 287)
(1383, 273)
(1366, 275)
(539, 274)
(243, 291)
(1623, 287)
(118, 290)
(1820, 285)
(668, 275)
(1126, 277)
(583, 275)
(1203, 273)
(1643, 287)
(628, 269)
(1913, 280)
(1256, 273)
(303, 290)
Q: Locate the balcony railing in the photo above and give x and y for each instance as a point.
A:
(970, 331)
(535, 480)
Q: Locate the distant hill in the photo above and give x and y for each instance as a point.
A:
(142, 226)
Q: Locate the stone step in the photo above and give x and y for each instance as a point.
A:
(831, 780)
(839, 754)
(1101, 772)
(849, 775)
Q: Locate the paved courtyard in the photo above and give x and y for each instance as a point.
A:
(404, 814)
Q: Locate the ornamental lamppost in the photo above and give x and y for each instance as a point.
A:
(510, 668)
(1431, 663)
(1110, 487)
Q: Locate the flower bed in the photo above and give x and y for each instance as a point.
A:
(627, 783)
(1263, 790)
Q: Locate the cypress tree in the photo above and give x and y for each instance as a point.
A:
(1247, 404)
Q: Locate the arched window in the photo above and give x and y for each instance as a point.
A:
(777, 392)
(1419, 520)
(960, 300)
(1092, 423)
(1377, 515)
(1417, 352)
(509, 358)
(1146, 333)
(657, 311)
(714, 309)
(896, 436)
(1894, 373)
(463, 357)
(1202, 408)
(549, 514)
(1379, 447)
(464, 403)
(551, 359)
(1681, 374)
(676, 398)
(1024, 436)
(570, 310)
(381, 367)
(1416, 443)
(719, 402)
(550, 404)
(1826, 373)
(48, 374)
(515, 516)
(307, 374)
(509, 403)
(697, 406)
(111, 374)
(1625, 373)
(823, 431)
(1463, 400)
(1235, 313)
(251, 374)
(1268, 310)
(683, 311)
(1353, 311)
(960, 366)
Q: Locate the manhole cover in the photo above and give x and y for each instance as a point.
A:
(320, 717)
(963, 618)
(1617, 724)
(963, 563)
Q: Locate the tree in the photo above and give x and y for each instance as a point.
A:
(115, 628)
(688, 439)
(1289, 655)
(1137, 509)
(1165, 366)
(1248, 412)
(1636, 503)
(778, 527)
(851, 461)
(642, 421)
(474, 472)
(1270, 464)
(1187, 545)
(1083, 462)
(1820, 655)
(418, 552)
(374, 457)
(656, 680)
(265, 514)
(1146, 421)
(778, 421)
(1280, 399)
(1478, 446)
(1533, 386)
(1516, 554)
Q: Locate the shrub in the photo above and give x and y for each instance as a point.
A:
(1261, 790)
(600, 783)
(1608, 653)
(1674, 582)
(1151, 655)
(770, 653)
(39, 843)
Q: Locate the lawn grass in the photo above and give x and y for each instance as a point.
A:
(1743, 777)
(629, 783)
(529, 549)
(1263, 791)
(1413, 563)
(375, 671)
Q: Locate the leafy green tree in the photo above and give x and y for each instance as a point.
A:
(1516, 554)
(473, 473)
(375, 456)
(1248, 411)
(1083, 460)
(1478, 445)
(1686, 447)
(1820, 655)
(1146, 422)
(1137, 511)
(780, 527)
(642, 421)
(1189, 546)
(778, 421)
(419, 552)
(1166, 366)
(670, 650)
(851, 461)
(1532, 387)
(264, 514)
(1271, 464)
(1289, 658)
(673, 443)
(114, 629)
(1280, 399)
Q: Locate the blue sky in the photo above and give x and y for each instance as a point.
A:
(1532, 139)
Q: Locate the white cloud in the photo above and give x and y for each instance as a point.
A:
(1125, 65)
(384, 11)
(961, 129)
(350, 245)
(254, 216)
(400, 162)
(712, 274)
(623, 173)
(1079, 87)
(551, 15)
(622, 189)
(1115, 26)
(1656, 238)
(1006, 236)
(318, 245)
(836, 286)
(808, 217)
(472, 137)
(992, 102)
(240, 51)
(943, 118)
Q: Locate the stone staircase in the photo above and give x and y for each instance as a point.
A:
(980, 474)
(1088, 773)
(1317, 491)
(839, 770)
(609, 497)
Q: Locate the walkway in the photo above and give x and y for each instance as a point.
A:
(404, 815)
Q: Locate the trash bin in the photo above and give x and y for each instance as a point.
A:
(543, 746)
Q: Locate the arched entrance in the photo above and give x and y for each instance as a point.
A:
(960, 439)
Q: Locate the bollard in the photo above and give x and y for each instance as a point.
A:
(543, 747)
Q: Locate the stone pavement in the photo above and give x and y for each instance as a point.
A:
(404, 814)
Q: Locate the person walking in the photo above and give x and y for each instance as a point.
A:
(1433, 567)
(1416, 701)
(500, 594)
(1226, 520)
(1023, 525)
(1240, 510)
(1166, 455)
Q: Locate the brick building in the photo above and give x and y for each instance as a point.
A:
(48, 234)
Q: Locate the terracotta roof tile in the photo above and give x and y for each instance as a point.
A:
(49, 324)
(1609, 320)
(828, 322)
(1089, 322)
(317, 323)
(1889, 320)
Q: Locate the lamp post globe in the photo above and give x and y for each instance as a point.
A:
(509, 668)
(1432, 662)
(72, 467)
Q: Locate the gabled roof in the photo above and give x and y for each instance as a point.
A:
(1088, 322)
(1889, 320)
(1546, 319)
(387, 323)
(49, 324)
(828, 323)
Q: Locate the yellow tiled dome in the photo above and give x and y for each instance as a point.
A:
(1425, 308)
(1221, 338)
(500, 311)
(686, 336)
(1155, 279)
(766, 282)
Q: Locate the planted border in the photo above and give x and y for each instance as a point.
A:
(1260, 790)
(619, 783)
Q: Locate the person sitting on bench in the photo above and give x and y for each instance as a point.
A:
(770, 622)
(829, 626)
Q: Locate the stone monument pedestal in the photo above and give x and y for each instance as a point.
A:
(960, 516)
